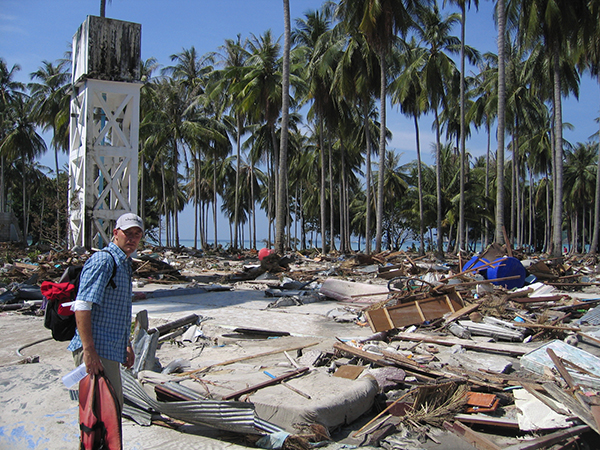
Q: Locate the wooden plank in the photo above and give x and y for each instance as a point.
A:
(549, 440)
(265, 383)
(379, 320)
(371, 357)
(562, 369)
(550, 403)
(245, 358)
(477, 440)
(482, 419)
(461, 312)
(487, 347)
(545, 327)
(581, 411)
(420, 311)
(413, 313)
(348, 371)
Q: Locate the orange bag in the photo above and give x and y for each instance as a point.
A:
(99, 415)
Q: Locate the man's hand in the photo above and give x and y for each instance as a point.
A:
(92, 361)
(130, 357)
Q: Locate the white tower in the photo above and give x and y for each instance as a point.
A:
(105, 119)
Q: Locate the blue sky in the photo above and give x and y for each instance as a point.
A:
(35, 30)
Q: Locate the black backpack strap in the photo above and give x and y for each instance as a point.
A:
(111, 281)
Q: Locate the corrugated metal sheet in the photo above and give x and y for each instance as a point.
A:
(237, 417)
(592, 317)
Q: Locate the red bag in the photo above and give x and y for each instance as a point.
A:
(99, 414)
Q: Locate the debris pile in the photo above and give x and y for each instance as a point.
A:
(500, 351)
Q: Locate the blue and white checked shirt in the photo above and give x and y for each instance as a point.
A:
(111, 309)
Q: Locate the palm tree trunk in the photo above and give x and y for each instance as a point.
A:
(383, 95)
(461, 212)
(368, 178)
(237, 181)
(285, 110)
(331, 191)
(558, 187)
(487, 184)
(214, 202)
(420, 190)
(596, 227)
(2, 185)
(501, 13)
(438, 183)
(57, 196)
(323, 198)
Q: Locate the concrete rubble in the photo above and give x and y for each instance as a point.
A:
(391, 350)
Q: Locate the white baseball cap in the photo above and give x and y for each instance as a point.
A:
(129, 220)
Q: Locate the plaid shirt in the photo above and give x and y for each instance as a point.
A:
(111, 309)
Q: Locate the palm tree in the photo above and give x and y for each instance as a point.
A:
(438, 71)
(189, 75)
(319, 43)
(591, 41)
(22, 143)
(356, 76)
(556, 23)
(463, 14)
(408, 92)
(283, 146)
(580, 174)
(226, 85)
(9, 90)
(379, 21)
(501, 17)
(51, 103)
(103, 7)
(262, 98)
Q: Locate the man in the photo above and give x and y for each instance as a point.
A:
(102, 311)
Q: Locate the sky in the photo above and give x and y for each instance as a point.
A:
(35, 30)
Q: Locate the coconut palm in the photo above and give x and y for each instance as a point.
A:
(590, 39)
(408, 92)
(9, 90)
(462, 4)
(283, 146)
(357, 77)
(51, 103)
(313, 35)
(556, 23)
(580, 179)
(438, 71)
(225, 85)
(379, 21)
(22, 143)
(262, 99)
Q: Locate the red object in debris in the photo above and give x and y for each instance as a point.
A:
(264, 252)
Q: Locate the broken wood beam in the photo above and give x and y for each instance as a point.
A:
(170, 326)
(245, 358)
(482, 419)
(367, 356)
(487, 347)
(390, 406)
(266, 383)
(474, 438)
(549, 440)
(546, 327)
(584, 413)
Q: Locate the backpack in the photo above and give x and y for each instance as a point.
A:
(58, 318)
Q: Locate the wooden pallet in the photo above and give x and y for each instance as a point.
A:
(414, 313)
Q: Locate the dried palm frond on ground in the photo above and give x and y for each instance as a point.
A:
(436, 403)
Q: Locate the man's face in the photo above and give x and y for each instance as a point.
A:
(128, 240)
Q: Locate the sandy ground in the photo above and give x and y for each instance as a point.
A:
(37, 413)
(36, 409)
